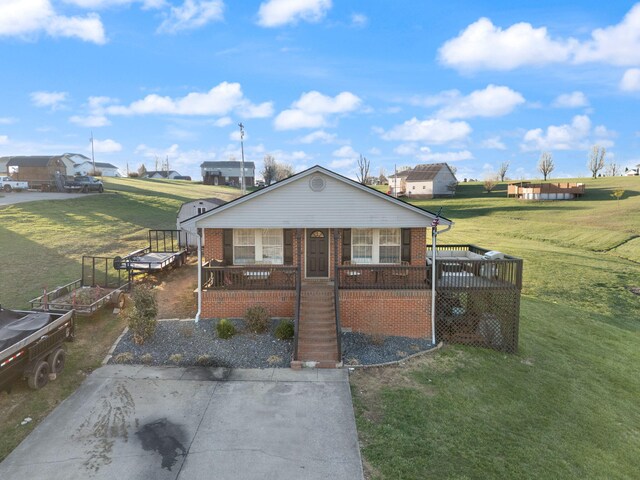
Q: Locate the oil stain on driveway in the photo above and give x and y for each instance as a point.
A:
(135, 422)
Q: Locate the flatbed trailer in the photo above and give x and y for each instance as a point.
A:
(99, 285)
(31, 346)
(167, 248)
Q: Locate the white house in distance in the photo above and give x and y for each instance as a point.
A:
(86, 167)
(424, 181)
(633, 172)
(171, 175)
(191, 209)
(228, 173)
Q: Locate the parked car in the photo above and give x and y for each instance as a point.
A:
(7, 184)
(85, 184)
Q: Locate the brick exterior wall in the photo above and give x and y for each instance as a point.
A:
(234, 303)
(418, 246)
(213, 244)
(405, 313)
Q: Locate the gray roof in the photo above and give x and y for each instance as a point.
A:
(162, 173)
(228, 164)
(402, 174)
(31, 161)
(425, 172)
(105, 165)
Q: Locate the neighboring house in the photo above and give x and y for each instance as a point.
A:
(398, 183)
(191, 209)
(171, 175)
(228, 173)
(629, 172)
(86, 168)
(430, 181)
(338, 256)
(545, 191)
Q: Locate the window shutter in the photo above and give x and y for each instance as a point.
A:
(227, 234)
(288, 246)
(406, 244)
(346, 245)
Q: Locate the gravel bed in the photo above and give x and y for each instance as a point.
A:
(186, 343)
(362, 349)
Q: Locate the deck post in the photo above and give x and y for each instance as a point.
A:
(199, 233)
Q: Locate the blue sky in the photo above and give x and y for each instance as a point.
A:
(471, 83)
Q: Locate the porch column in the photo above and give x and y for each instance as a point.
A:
(199, 232)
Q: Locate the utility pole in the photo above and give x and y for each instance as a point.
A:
(243, 189)
(93, 160)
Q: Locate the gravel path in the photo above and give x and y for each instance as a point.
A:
(186, 343)
(361, 349)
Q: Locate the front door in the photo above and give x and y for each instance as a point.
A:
(317, 252)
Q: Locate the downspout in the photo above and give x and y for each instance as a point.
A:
(434, 236)
(199, 235)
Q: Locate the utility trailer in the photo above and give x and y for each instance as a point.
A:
(31, 346)
(167, 248)
(99, 285)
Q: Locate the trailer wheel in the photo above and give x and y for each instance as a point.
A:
(40, 376)
(7, 188)
(100, 189)
(56, 361)
(85, 189)
(119, 300)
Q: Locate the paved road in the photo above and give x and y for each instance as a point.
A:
(134, 422)
(20, 197)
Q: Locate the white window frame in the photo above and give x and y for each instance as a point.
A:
(258, 245)
(375, 250)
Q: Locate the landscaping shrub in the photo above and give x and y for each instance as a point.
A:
(257, 319)
(141, 314)
(285, 330)
(225, 329)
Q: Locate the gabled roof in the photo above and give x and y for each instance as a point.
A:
(228, 164)
(426, 172)
(402, 174)
(31, 161)
(375, 194)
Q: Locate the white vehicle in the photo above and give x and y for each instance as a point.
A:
(7, 184)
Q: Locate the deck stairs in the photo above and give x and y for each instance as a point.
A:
(317, 340)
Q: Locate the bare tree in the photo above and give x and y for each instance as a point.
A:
(502, 171)
(613, 170)
(269, 170)
(453, 169)
(596, 159)
(363, 167)
(283, 170)
(142, 170)
(545, 164)
(382, 177)
(490, 183)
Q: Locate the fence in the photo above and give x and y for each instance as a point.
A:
(248, 277)
(383, 277)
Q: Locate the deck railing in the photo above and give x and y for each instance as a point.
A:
(382, 277)
(249, 277)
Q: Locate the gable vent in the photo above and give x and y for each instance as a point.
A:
(317, 183)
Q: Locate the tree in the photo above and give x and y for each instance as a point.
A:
(142, 170)
(502, 171)
(490, 183)
(382, 177)
(363, 170)
(613, 170)
(269, 170)
(453, 169)
(596, 159)
(284, 170)
(545, 164)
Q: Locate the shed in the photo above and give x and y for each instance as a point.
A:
(37, 168)
(191, 209)
(431, 180)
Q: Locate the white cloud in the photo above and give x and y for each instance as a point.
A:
(97, 4)
(571, 100)
(90, 120)
(342, 163)
(105, 146)
(7, 120)
(4, 139)
(359, 20)
(485, 46)
(276, 13)
(346, 152)
(375, 151)
(426, 155)
(53, 100)
(318, 136)
(494, 143)
(192, 14)
(223, 122)
(24, 18)
(234, 136)
(312, 108)
(493, 101)
(575, 136)
(434, 131)
(220, 100)
(482, 45)
(631, 80)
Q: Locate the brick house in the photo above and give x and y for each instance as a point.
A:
(322, 249)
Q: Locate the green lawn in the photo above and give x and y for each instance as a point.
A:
(568, 405)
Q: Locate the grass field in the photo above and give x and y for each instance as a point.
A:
(565, 407)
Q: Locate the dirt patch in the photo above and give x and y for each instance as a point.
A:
(635, 290)
(175, 291)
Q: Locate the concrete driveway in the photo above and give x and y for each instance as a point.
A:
(21, 197)
(134, 422)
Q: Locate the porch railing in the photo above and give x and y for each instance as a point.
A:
(382, 277)
(249, 277)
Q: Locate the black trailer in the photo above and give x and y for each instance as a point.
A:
(167, 248)
(31, 346)
(99, 285)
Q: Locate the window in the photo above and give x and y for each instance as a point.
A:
(252, 246)
(373, 245)
(201, 210)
